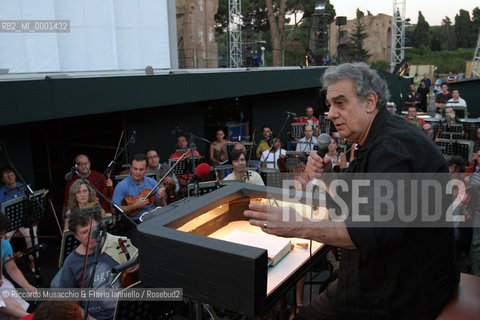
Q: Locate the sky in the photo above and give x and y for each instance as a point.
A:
(433, 11)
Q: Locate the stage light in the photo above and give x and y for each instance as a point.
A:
(320, 7)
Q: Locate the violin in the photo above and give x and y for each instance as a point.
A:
(149, 193)
(145, 194)
(170, 191)
(127, 278)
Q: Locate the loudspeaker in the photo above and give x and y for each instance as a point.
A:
(341, 21)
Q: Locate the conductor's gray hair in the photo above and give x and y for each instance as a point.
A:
(366, 80)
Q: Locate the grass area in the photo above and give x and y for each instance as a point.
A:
(444, 60)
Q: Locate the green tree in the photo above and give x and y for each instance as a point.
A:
(448, 34)
(421, 33)
(463, 30)
(476, 20)
(357, 39)
(260, 15)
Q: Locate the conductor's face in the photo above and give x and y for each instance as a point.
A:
(352, 118)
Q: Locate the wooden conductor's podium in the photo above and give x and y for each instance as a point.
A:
(181, 247)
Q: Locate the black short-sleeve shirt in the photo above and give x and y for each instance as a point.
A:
(396, 273)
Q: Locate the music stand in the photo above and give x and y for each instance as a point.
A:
(463, 148)
(22, 212)
(14, 209)
(69, 243)
(296, 130)
(185, 165)
(271, 177)
(204, 188)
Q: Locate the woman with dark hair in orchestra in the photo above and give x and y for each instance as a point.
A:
(338, 159)
(218, 151)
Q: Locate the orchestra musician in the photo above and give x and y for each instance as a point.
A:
(97, 179)
(81, 196)
(270, 157)
(161, 169)
(7, 192)
(412, 116)
(134, 185)
(74, 272)
(11, 307)
(182, 145)
(240, 172)
(308, 142)
(263, 145)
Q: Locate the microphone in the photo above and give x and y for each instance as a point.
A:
(99, 230)
(124, 266)
(201, 172)
(70, 174)
(323, 142)
(174, 131)
(293, 114)
(132, 138)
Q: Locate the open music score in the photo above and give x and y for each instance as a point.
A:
(15, 209)
(185, 165)
(463, 148)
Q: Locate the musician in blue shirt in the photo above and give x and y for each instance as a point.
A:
(8, 192)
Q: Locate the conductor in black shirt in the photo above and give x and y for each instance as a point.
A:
(385, 273)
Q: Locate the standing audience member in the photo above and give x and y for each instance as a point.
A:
(438, 84)
(427, 80)
(452, 77)
(424, 96)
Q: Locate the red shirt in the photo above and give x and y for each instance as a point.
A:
(307, 120)
(93, 178)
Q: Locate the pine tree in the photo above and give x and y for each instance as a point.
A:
(448, 34)
(357, 38)
(463, 30)
(421, 33)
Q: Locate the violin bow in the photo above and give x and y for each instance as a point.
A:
(166, 174)
(116, 152)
